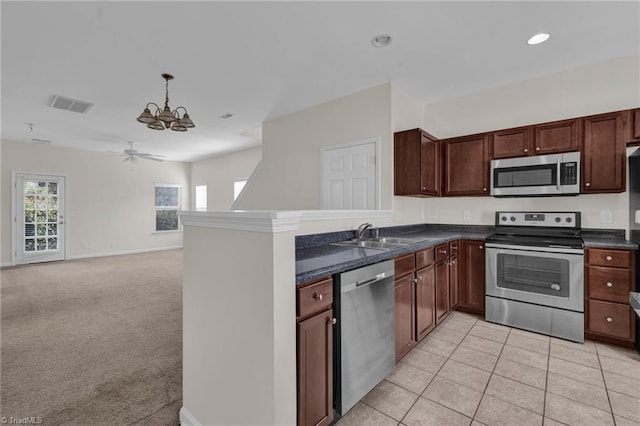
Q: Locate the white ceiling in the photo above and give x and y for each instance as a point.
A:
(261, 60)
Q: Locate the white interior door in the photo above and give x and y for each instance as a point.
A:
(39, 218)
(350, 177)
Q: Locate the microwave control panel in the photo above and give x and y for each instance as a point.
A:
(569, 173)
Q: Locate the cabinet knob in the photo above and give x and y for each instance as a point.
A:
(537, 148)
(442, 251)
(334, 321)
(609, 284)
(480, 247)
(317, 296)
(609, 319)
(609, 258)
(587, 184)
(424, 188)
(484, 189)
(526, 150)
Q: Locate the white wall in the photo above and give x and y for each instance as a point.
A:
(109, 207)
(219, 172)
(603, 87)
(290, 176)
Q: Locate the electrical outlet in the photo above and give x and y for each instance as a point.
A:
(85, 245)
(606, 216)
(466, 215)
(434, 215)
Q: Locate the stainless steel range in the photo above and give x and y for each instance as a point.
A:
(535, 273)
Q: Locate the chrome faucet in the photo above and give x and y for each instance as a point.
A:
(361, 229)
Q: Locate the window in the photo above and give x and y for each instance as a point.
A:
(168, 203)
(238, 184)
(201, 197)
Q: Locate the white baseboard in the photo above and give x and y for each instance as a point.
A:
(118, 253)
(187, 419)
(5, 264)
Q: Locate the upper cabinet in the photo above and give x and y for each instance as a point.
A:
(603, 152)
(513, 142)
(418, 164)
(636, 123)
(467, 161)
(558, 136)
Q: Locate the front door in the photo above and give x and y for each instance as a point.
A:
(349, 177)
(40, 217)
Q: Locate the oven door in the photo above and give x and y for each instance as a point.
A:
(545, 276)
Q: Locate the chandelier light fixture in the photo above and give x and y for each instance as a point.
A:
(166, 118)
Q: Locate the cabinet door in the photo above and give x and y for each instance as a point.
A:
(467, 164)
(425, 302)
(512, 143)
(604, 152)
(453, 282)
(405, 319)
(430, 166)
(442, 290)
(636, 123)
(472, 277)
(315, 370)
(558, 136)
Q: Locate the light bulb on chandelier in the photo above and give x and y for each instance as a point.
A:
(166, 118)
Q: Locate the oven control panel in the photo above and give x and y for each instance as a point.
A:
(547, 219)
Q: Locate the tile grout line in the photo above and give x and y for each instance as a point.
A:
(606, 388)
(436, 373)
(546, 383)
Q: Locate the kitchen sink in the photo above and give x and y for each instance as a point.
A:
(380, 243)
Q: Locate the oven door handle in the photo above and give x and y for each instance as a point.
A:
(558, 175)
(556, 249)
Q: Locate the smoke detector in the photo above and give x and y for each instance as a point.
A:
(69, 104)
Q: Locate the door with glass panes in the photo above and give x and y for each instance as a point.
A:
(40, 218)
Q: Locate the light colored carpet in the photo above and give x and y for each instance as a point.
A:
(93, 341)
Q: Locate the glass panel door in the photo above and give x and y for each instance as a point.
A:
(40, 218)
(534, 274)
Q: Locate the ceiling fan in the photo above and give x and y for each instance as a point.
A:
(132, 155)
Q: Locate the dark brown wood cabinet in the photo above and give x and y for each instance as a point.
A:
(405, 315)
(510, 143)
(604, 152)
(471, 281)
(467, 163)
(442, 290)
(315, 352)
(453, 274)
(609, 277)
(636, 124)
(425, 301)
(418, 164)
(556, 136)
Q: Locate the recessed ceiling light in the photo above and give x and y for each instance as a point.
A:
(538, 38)
(381, 40)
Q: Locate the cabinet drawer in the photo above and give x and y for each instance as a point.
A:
(424, 258)
(315, 297)
(607, 257)
(612, 284)
(611, 319)
(404, 265)
(442, 252)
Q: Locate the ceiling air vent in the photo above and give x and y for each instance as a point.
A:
(69, 104)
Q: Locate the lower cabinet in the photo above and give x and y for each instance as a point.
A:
(442, 290)
(453, 274)
(425, 301)
(471, 280)
(405, 315)
(315, 352)
(609, 277)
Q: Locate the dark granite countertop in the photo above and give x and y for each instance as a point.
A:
(317, 258)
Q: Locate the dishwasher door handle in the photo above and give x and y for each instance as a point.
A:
(370, 281)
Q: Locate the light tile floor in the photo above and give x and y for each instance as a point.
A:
(471, 372)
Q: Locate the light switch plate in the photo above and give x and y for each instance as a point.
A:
(637, 216)
(606, 216)
(466, 214)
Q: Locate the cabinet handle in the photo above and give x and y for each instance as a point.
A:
(334, 321)
(317, 296)
(609, 285)
(537, 148)
(484, 189)
(442, 251)
(609, 258)
(609, 319)
(526, 150)
(587, 184)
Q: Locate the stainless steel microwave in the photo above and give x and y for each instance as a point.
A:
(538, 175)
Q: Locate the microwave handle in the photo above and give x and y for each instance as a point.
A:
(558, 175)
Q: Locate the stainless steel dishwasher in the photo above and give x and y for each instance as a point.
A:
(365, 333)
